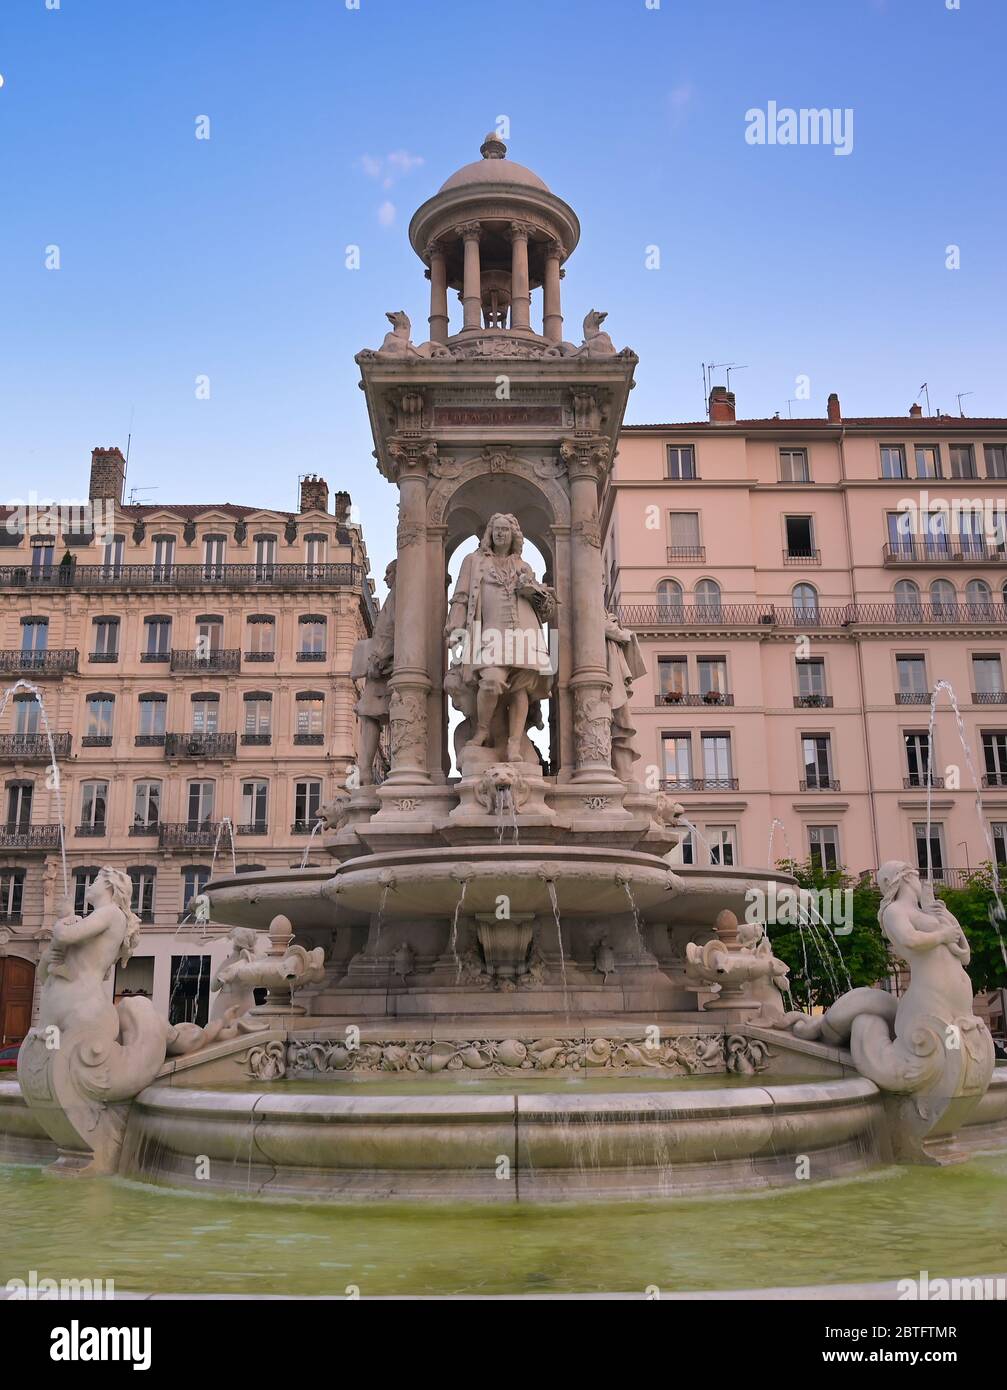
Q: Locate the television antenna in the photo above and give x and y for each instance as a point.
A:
(735, 369)
(924, 391)
(133, 499)
(961, 397)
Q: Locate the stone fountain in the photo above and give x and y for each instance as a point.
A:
(521, 918)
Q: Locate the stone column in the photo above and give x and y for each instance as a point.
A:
(472, 292)
(592, 713)
(552, 319)
(520, 291)
(438, 293)
(410, 682)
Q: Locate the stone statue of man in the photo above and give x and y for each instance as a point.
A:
(372, 661)
(625, 664)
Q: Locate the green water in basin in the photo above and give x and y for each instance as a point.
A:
(412, 1085)
(890, 1225)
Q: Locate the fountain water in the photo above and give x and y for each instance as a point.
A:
(36, 694)
(550, 883)
(695, 830)
(777, 824)
(462, 879)
(318, 825)
(624, 879)
(224, 824)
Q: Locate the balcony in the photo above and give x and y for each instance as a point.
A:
(54, 662)
(812, 702)
(989, 697)
(96, 832)
(912, 697)
(819, 784)
(258, 656)
(257, 740)
(223, 659)
(758, 615)
(311, 656)
(96, 741)
(140, 828)
(200, 745)
(716, 698)
(316, 740)
(802, 557)
(103, 658)
(917, 781)
(185, 836)
(699, 784)
(29, 837)
(995, 779)
(687, 554)
(256, 827)
(181, 577)
(149, 740)
(924, 552)
(304, 827)
(33, 748)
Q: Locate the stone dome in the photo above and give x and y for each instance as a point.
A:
(494, 167)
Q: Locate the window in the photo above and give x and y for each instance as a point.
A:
(142, 902)
(681, 461)
(209, 635)
(26, 715)
(918, 758)
(146, 805)
(912, 675)
(195, 877)
(928, 461)
(205, 714)
(708, 598)
(312, 634)
(260, 638)
(994, 743)
(157, 639)
(677, 758)
(963, 464)
(164, 558)
(987, 675)
(712, 676)
(998, 833)
(189, 1000)
(41, 558)
(688, 844)
(672, 678)
(200, 801)
(900, 533)
(717, 758)
(683, 536)
(265, 556)
(943, 599)
(82, 880)
(907, 598)
(258, 714)
(800, 538)
(996, 460)
(805, 599)
(112, 558)
(106, 639)
(34, 634)
(893, 461)
(794, 466)
(669, 598)
(315, 548)
(253, 804)
(936, 847)
(816, 752)
(153, 711)
(100, 708)
(310, 716)
(19, 798)
(979, 597)
(823, 847)
(214, 551)
(723, 844)
(811, 678)
(307, 799)
(93, 803)
(11, 895)
(972, 533)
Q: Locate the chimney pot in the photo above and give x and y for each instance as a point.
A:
(915, 410)
(314, 493)
(342, 503)
(835, 414)
(721, 406)
(108, 474)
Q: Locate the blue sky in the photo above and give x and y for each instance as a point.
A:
(226, 257)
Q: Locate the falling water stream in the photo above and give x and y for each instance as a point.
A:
(307, 848)
(550, 884)
(225, 823)
(54, 770)
(453, 938)
(777, 824)
(628, 890)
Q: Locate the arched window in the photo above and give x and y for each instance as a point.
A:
(707, 593)
(907, 597)
(669, 598)
(943, 599)
(979, 597)
(805, 598)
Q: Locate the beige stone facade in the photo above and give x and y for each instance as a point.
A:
(194, 663)
(792, 630)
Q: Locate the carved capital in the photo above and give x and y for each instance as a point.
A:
(585, 458)
(518, 231)
(410, 457)
(555, 251)
(432, 249)
(470, 231)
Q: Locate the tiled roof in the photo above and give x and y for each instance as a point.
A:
(913, 423)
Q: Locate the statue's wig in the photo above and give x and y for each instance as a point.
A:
(516, 534)
(121, 888)
(891, 877)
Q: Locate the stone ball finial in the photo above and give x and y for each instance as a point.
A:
(493, 147)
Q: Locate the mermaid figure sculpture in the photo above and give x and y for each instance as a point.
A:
(87, 1057)
(926, 1050)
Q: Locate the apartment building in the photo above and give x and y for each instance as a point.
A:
(798, 588)
(194, 666)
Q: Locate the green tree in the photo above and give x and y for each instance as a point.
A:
(971, 904)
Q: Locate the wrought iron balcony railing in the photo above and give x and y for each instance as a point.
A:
(304, 827)
(96, 741)
(159, 577)
(937, 552)
(258, 656)
(103, 658)
(995, 779)
(315, 739)
(718, 698)
(918, 781)
(185, 835)
(687, 554)
(151, 827)
(802, 557)
(257, 740)
(812, 702)
(912, 697)
(989, 697)
(699, 784)
(807, 619)
(51, 662)
(29, 837)
(33, 748)
(95, 831)
(255, 827)
(819, 784)
(223, 659)
(200, 745)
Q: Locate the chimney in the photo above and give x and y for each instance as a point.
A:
(915, 410)
(721, 406)
(314, 493)
(342, 502)
(108, 475)
(835, 414)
